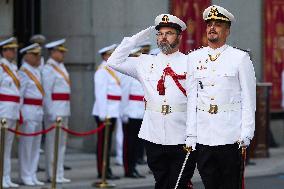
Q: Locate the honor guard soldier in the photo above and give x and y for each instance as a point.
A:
(32, 112)
(39, 39)
(163, 80)
(9, 100)
(221, 103)
(56, 84)
(107, 105)
(132, 114)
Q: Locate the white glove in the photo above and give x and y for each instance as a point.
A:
(143, 35)
(191, 142)
(102, 119)
(244, 142)
(124, 119)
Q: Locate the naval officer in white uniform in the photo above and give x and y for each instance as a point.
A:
(9, 100)
(163, 80)
(32, 112)
(221, 103)
(56, 84)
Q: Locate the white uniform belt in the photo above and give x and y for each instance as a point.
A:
(165, 108)
(215, 108)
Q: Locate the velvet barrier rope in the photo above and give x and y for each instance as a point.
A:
(83, 133)
(32, 134)
(63, 128)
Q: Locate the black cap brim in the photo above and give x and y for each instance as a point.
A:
(168, 24)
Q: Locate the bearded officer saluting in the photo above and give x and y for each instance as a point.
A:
(163, 80)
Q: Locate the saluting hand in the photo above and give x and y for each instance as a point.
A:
(143, 35)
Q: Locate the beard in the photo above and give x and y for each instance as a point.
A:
(213, 39)
(167, 47)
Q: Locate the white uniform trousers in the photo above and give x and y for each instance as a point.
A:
(9, 137)
(49, 149)
(119, 142)
(29, 150)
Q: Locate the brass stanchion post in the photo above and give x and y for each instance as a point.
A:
(103, 183)
(2, 149)
(55, 154)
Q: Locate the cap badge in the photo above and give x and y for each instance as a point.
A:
(213, 12)
(165, 19)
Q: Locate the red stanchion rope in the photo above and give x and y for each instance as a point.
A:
(63, 128)
(31, 134)
(83, 133)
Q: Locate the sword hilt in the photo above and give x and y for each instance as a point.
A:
(187, 148)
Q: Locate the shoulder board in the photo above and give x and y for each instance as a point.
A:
(247, 50)
(194, 50)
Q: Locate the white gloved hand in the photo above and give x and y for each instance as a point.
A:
(102, 119)
(124, 119)
(143, 35)
(244, 142)
(191, 142)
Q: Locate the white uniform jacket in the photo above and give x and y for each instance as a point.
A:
(55, 87)
(107, 92)
(228, 82)
(157, 127)
(30, 93)
(133, 105)
(8, 89)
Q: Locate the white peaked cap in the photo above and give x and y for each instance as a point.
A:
(55, 43)
(35, 48)
(168, 20)
(37, 38)
(9, 43)
(108, 48)
(216, 12)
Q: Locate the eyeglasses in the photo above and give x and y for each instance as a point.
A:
(167, 34)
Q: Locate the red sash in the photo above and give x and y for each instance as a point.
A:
(60, 96)
(176, 78)
(136, 97)
(113, 97)
(32, 101)
(9, 98)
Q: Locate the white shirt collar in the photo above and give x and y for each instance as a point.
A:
(218, 50)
